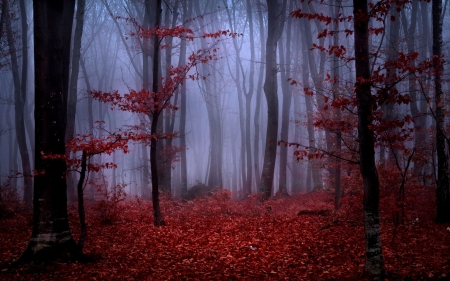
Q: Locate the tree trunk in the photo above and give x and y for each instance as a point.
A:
(314, 180)
(256, 138)
(317, 77)
(442, 190)
(81, 211)
(285, 58)
(51, 237)
(374, 264)
(275, 26)
(338, 193)
(158, 219)
(170, 117)
(183, 105)
(73, 89)
(20, 94)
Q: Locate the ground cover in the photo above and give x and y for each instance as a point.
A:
(214, 238)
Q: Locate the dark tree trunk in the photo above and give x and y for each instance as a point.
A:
(81, 211)
(374, 264)
(442, 190)
(158, 219)
(51, 237)
(275, 27)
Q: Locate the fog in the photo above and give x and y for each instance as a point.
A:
(226, 108)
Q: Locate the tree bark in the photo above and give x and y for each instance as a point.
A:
(51, 237)
(442, 190)
(157, 216)
(275, 26)
(374, 264)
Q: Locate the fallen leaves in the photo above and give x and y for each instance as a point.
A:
(214, 238)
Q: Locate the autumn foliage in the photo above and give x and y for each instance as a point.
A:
(215, 238)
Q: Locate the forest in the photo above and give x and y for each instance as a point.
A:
(224, 140)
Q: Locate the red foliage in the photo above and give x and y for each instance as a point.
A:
(214, 238)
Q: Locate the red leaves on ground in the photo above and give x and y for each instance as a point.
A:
(214, 238)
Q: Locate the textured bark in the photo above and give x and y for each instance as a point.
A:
(20, 94)
(374, 264)
(275, 26)
(442, 190)
(51, 237)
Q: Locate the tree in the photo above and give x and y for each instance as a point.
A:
(442, 190)
(73, 83)
(275, 26)
(51, 237)
(158, 219)
(374, 265)
(154, 102)
(20, 91)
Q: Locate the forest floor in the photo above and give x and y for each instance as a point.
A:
(296, 238)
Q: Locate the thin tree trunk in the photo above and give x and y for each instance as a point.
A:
(73, 89)
(170, 118)
(158, 219)
(285, 58)
(81, 211)
(19, 99)
(374, 263)
(336, 88)
(312, 181)
(183, 105)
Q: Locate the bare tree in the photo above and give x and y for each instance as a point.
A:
(275, 26)
(374, 265)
